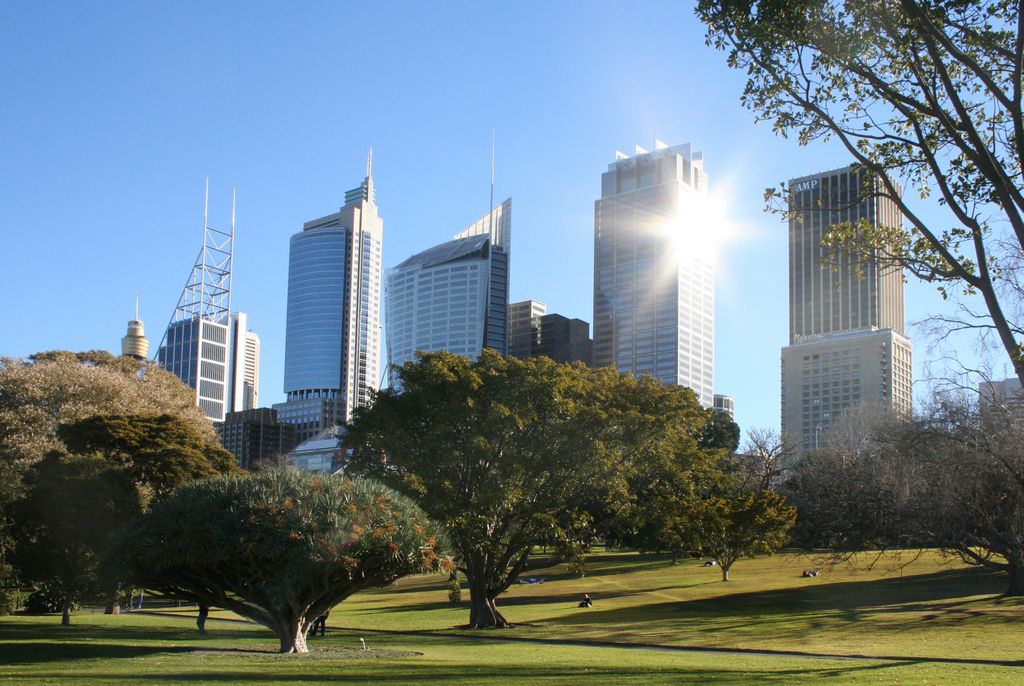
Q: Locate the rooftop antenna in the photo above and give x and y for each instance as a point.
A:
(490, 207)
(136, 307)
(369, 163)
(234, 193)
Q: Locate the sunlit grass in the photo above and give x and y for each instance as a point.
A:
(931, 610)
(927, 608)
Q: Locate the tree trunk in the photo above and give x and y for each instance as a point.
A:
(1016, 573)
(113, 607)
(483, 613)
(65, 619)
(725, 569)
(293, 636)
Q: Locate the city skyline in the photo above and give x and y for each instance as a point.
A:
(278, 122)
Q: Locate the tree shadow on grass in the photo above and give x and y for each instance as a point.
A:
(397, 671)
(804, 612)
(25, 643)
(509, 600)
(33, 653)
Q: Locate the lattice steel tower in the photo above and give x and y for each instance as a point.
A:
(195, 346)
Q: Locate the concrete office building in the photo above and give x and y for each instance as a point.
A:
(654, 292)
(725, 403)
(847, 343)
(256, 436)
(451, 297)
(523, 325)
(534, 332)
(244, 392)
(564, 340)
(332, 336)
(1005, 397)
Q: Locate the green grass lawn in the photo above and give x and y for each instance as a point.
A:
(928, 608)
(932, 611)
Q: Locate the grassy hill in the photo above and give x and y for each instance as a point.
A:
(918, 621)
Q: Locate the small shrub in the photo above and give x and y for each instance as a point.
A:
(47, 598)
(454, 592)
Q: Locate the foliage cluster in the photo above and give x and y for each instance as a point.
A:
(922, 94)
(280, 547)
(507, 454)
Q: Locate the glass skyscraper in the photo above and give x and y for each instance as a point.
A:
(453, 296)
(332, 337)
(654, 286)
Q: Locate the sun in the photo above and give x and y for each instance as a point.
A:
(700, 227)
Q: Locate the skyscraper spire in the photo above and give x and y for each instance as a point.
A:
(369, 163)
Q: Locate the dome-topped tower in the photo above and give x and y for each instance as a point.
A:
(135, 344)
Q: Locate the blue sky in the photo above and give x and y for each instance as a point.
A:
(114, 114)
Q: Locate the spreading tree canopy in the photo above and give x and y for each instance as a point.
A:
(508, 453)
(280, 547)
(925, 94)
(44, 391)
(158, 452)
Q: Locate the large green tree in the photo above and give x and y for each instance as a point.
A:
(71, 513)
(40, 393)
(158, 452)
(44, 391)
(280, 547)
(508, 453)
(926, 94)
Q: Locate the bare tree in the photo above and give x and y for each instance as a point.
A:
(765, 458)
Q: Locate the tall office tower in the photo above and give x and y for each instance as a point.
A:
(846, 340)
(725, 403)
(453, 296)
(245, 365)
(497, 224)
(654, 285)
(524, 326)
(332, 338)
(135, 344)
(195, 345)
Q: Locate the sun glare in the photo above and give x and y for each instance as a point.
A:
(700, 228)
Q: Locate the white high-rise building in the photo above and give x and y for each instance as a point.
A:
(453, 296)
(245, 365)
(654, 282)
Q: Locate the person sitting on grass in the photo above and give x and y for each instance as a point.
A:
(586, 602)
